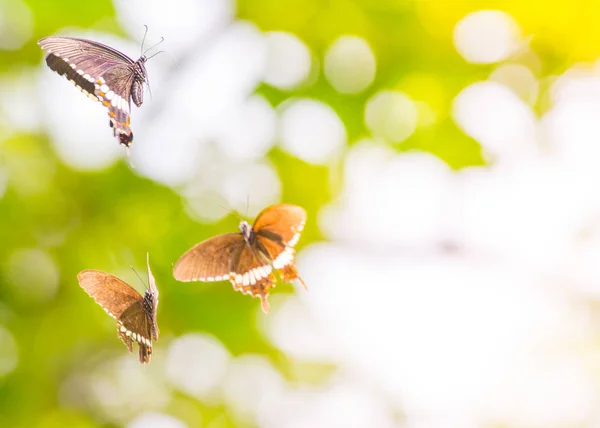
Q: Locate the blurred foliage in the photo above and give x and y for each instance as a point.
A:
(108, 220)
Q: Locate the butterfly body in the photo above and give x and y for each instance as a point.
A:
(250, 258)
(135, 315)
(104, 74)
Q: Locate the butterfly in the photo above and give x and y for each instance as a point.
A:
(102, 73)
(249, 258)
(135, 315)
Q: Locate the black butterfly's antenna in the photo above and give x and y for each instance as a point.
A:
(247, 203)
(162, 39)
(139, 277)
(153, 55)
(144, 39)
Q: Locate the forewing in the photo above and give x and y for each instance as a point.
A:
(134, 326)
(211, 260)
(82, 61)
(278, 230)
(77, 49)
(114, 295)
(282, 222)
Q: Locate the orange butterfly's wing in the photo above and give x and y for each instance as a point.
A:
(278, 230)
(212, 260)
(286, 220)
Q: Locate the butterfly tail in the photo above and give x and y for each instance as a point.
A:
(290, 273)
(301, 282)
(145, 353)
(264, 304)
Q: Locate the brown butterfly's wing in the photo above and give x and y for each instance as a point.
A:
(115, 296)
(278, 230)
(212, 260)
(135, 326)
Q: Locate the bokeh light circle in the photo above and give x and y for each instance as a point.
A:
(486, 36)
(391, 115)
(312, 131)
(350, 65)
(288, 60)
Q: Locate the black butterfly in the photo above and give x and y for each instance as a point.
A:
(135, 315)
(248, 259)
(102, 73)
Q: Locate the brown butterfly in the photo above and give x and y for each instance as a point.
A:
(135, 315)
(249, 259)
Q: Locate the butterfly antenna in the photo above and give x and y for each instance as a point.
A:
(247, 203)
(153, 55)
(162, 39)
(229, 210)
(144, 39)
(139, 277)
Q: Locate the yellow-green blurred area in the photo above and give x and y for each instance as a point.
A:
(447, 154)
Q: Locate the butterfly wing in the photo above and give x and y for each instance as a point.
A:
(152, 296)
(115, 296)
(254, 275)
(100, 72)
(211, 260)
(123, 303)
(278, 230)
(135, 326)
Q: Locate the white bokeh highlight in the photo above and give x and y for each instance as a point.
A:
(463, 366)
(498, 119)
(293, 329)
(156, 420)
(391, 115)
(350, 65)
(416, 187)
(251, 130)
(341, 402)
(312, 131)
(223, 77)
(520, 79)
(121, 389)
(185, 24)
(487, 36)
(251, 387)
(19, 104)
(197, 364)
(289, 60)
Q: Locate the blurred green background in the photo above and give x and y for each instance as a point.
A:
(56, 220)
